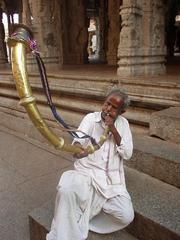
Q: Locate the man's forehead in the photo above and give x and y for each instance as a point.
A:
(115, 97)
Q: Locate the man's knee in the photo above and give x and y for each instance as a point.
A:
(122, 211)
(126, 216)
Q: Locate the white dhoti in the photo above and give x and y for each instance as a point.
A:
(80, 208)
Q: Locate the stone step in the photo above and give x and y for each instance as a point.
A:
(68, 105)
(155, 157)
(139, 129)
(148, 93)
(76, 93)
(71, 109)
(138, 116)
(157, 207)
(166, 124)
(40, 221)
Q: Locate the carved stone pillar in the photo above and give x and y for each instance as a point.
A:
(154, 36)
(3, 50)
(113, 31)
(44, 24)
(141, 48)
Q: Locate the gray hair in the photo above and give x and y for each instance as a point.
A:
(123, 96)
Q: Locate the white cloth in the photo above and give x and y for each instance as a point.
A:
(116, 214)
(74, 200)
(105, 166)
(77, 202)
(94, 195)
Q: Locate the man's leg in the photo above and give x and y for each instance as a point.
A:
(72, 208)
(120, 207)
(116, 214)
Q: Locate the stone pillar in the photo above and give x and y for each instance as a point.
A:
(3, 50)
(101, 32)
(141, 48)
(113, 31)
(75, 32)
(154, 36)
(26, 13)
(44, 24)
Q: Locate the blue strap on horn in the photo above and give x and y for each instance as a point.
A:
(32, 44)
(46, 88)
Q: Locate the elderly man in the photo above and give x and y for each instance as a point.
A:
(93, 196)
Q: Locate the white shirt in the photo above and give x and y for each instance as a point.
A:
(105, 166)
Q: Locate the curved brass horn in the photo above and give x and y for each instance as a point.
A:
(19, 43)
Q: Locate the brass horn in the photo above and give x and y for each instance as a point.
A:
(19, 43)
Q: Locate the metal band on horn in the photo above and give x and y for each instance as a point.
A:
(19, 43)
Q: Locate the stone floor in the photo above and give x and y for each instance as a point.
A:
(28, 177)
(104, 71)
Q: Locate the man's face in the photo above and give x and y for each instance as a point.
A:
(112, 106)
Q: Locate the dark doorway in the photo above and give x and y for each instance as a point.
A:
(96, 14)
(173, 28)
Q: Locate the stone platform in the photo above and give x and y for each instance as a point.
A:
(165, 124)
(157, 158)
(40, 220)
(156, 211)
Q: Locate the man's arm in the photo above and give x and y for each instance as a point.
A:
(125, 149)
(124, 141)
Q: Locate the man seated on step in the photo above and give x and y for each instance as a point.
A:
(93, 196)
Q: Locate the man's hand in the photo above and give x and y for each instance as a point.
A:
(109, 121)
(82, 154)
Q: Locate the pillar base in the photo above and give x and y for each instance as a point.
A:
(51, 63)
(133, 62)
